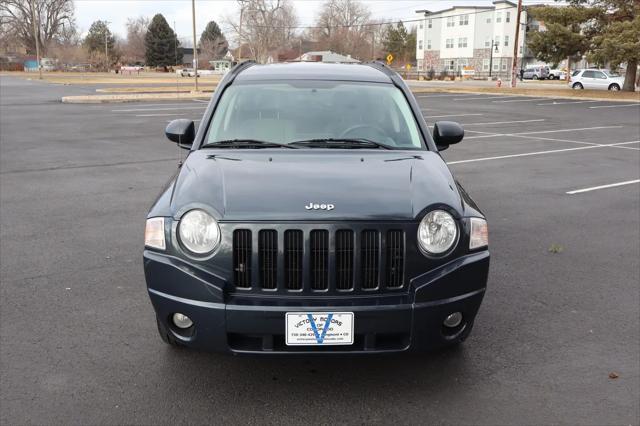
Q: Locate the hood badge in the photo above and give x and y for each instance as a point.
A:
(313, 206)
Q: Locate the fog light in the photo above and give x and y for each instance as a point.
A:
(182, 321)
(453, 320)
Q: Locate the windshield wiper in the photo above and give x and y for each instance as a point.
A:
(342, 143)
(247, 143)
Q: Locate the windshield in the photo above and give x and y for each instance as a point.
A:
(287, 112)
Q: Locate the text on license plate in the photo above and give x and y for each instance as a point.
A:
(319, 328)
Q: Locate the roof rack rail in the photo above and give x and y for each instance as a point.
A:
(381, 66)
(233, 72)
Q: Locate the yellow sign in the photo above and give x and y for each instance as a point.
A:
(408, 66)
(389, 58)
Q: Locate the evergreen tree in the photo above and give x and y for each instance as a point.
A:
(161, 44)
(212, 42)
(98, 35)
(395, 38)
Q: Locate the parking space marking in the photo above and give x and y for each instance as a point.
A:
(164, 114)
(200, 100)
(528, 154)
(615, 106)
(521, 100)
(611, 185)
(569, 103)
(438, 96)
(489, 135)
(158, 109)
(502, 122)
(480, 98)
(453, 115)
(185, 103)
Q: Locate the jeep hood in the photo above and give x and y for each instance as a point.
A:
(275, 185)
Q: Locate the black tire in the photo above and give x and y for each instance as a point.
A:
(615, 87)
(165, 335)
(535, 77)
(577, 86)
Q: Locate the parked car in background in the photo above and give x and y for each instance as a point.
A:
(596, 79)
(557, 74)
(536, 73)
(189, 72)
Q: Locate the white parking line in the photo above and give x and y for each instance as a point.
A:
(452, 115)
(527, 154)
(521, 100)
(490, 135)
(611, 185)
(438, 96)
(480, 98)
(200, 100)
(615, 106)
(502, 122)
(166, 114)
(570, 102)
(158, 109)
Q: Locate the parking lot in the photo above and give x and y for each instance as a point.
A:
(557, 179)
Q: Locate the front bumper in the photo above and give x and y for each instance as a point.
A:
(411, 321)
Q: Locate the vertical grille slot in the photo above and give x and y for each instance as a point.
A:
(268, 258)
(369, 261)
(293, 259)
(395, 258)
(319, 262)
(344, 259)
(242, 258)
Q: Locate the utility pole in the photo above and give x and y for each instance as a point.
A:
(36, 36)
(240, 32)
(195, 43)
(516, 46)
(106, 44)
(373, 46)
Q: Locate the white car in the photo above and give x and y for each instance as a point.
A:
(596, 79)
(557, 75)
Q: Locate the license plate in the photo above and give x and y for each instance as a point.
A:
(319, 328)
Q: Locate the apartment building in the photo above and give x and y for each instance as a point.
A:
(476, 40)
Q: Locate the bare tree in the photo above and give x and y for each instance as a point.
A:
(266, 25)
(342, 27)
(134, 49)
(53, 19)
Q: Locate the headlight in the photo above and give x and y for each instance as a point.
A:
(198, 232)
(437, 232)
(479, 233)
(154, 233)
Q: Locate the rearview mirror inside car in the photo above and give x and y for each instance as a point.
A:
(181, 131)
(447, 133)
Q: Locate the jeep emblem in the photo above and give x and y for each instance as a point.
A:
(313, 206)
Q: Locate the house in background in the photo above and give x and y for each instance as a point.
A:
(473, 39)
(326, 56)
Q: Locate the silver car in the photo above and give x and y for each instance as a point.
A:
(596, 79)
(536, 73)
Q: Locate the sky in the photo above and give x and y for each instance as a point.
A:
(179, 11)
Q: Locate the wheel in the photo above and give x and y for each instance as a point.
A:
(165, 335)
(614, 87)
(577, 86)
(535, 77)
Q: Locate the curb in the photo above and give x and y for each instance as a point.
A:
(133, 97)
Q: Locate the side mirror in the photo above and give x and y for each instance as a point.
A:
(182, 132)
(447, 133)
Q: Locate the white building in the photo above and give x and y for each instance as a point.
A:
(462, 37)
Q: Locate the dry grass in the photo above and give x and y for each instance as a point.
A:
(112, 78)
(543, 93)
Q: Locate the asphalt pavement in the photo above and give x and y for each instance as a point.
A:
(78, 343)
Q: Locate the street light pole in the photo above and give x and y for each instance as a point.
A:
(195, 44)
(240, 32)
(36, 36)
(106, 44)
(515, 46)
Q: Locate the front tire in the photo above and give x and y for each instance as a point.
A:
(535, 77)
(577, 86)
(614, 87)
